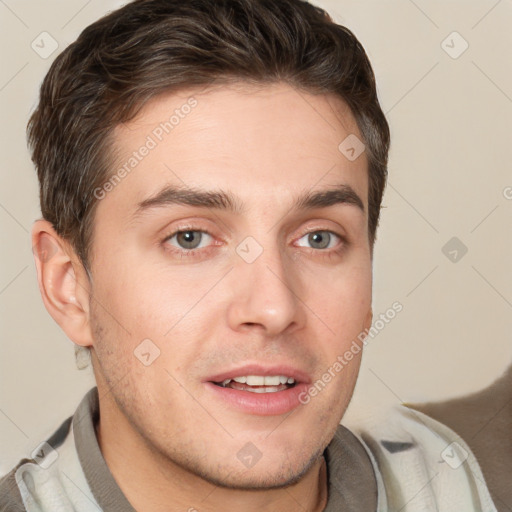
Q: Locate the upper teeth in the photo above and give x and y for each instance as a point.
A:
(260, 380)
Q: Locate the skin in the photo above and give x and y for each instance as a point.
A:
(296, 304)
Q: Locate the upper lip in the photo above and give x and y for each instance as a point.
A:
(298, 375)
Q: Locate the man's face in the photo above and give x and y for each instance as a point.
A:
(267, 289)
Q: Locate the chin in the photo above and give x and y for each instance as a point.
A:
(261, 476)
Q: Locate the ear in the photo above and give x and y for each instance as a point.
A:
(63, 282)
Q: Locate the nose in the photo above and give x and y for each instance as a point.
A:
(263, 296)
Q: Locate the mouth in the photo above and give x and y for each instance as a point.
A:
(259, 383)
(259, 390)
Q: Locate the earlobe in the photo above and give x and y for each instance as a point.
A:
(368, 320)
(62, 282)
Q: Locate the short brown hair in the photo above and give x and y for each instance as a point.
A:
(149, 47)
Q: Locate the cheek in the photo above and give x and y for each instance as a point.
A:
(139, 299)
(342, 301)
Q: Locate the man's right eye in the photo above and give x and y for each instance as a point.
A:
(186, 242)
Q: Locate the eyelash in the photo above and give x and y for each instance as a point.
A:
(192, 253)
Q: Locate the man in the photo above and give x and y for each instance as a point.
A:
(211, 174)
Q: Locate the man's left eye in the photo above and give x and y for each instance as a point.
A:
(320, 239)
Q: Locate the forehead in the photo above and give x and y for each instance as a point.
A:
(265, 142)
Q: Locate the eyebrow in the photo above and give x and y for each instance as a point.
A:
(223, 200)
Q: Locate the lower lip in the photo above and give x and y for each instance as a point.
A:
(262, 404)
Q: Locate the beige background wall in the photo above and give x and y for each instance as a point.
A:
(450, 176)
